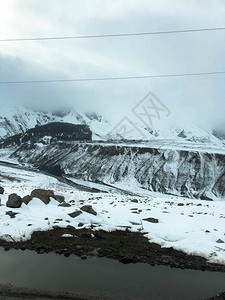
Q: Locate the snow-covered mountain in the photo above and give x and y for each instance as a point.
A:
(20, 119)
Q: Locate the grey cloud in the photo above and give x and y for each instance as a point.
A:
(192, 100)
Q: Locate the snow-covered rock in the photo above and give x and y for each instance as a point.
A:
(191, 173)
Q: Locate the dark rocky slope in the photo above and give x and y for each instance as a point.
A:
(186, 173)
(56, 130)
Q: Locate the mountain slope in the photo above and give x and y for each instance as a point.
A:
(193, 174)
(19, 120)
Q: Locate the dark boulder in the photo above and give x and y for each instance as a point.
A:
(11, 214)
(26, 199)
(14, 201)
(151, 220)
(89, 209)
(1, 190)
(75, 214)
(134, 201)
(43, 195)
(64, 204)
(220, 241)
(59, 198)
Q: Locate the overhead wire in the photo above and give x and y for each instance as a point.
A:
(111, 35)
(111, 78)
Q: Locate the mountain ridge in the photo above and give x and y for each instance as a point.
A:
(18, 120)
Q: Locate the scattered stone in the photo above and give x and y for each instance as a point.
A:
(180, 204)
(59, 198)
(80, 224)
(151, 220)
(64, 204)
(75, 214)
(14, 201)
(89, 209)
(207, 231)
(72, 201)
(11, 214)
(26, 199)
(134, 201)
(2, 190)
(219, 241)
(134, 223)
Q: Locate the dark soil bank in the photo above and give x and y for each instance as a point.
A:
(125, 246)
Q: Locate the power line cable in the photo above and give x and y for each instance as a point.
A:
(110, 35)
(112, 78)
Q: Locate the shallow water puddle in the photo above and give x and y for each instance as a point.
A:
(101, 276)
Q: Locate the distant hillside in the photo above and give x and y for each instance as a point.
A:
(18, 120)
(53, 131)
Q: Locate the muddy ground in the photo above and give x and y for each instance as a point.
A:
(125, 246)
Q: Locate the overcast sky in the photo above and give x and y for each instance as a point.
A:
(193, 100)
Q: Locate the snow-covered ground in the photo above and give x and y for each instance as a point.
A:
(193, 226)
